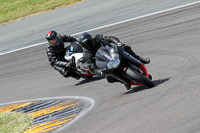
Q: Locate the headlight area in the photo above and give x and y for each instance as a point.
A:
(114, 61)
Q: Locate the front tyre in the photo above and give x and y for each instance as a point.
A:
(139, 78)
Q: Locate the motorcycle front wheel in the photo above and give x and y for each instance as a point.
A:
(139, 78)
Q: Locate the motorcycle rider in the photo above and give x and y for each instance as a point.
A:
(56, 51)
(92, 44)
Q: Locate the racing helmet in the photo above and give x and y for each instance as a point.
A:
(53, 38)
(86, 41)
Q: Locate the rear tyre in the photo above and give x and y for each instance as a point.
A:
(139, 78)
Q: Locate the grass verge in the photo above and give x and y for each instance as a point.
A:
(14, 122)
(14, 9)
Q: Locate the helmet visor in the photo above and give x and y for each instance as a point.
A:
(88, 44)
(53, 41)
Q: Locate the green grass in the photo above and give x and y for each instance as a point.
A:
(14, 122)
(13, 9)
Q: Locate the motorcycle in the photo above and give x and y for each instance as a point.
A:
(115, 62)
(75, 52)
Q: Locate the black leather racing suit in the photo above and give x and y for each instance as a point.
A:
(56, 56)
(98, 40)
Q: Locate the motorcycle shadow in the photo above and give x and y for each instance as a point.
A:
(89, 80)
(143, 87)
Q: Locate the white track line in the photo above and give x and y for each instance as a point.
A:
(170, 9)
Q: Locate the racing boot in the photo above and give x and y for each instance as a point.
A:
(128, 86)
(63, 71)
(67, 73)
(76, 76)
(110, 79)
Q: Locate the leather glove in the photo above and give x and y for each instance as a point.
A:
(71, 64)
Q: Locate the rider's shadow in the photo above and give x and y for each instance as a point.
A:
(89, 80)
(143, 87)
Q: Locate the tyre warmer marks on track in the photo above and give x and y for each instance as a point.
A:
(52, 114)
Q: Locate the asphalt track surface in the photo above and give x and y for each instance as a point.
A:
(76, 18)
(170, 39)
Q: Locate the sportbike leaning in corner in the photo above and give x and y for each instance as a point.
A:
(115, 62)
